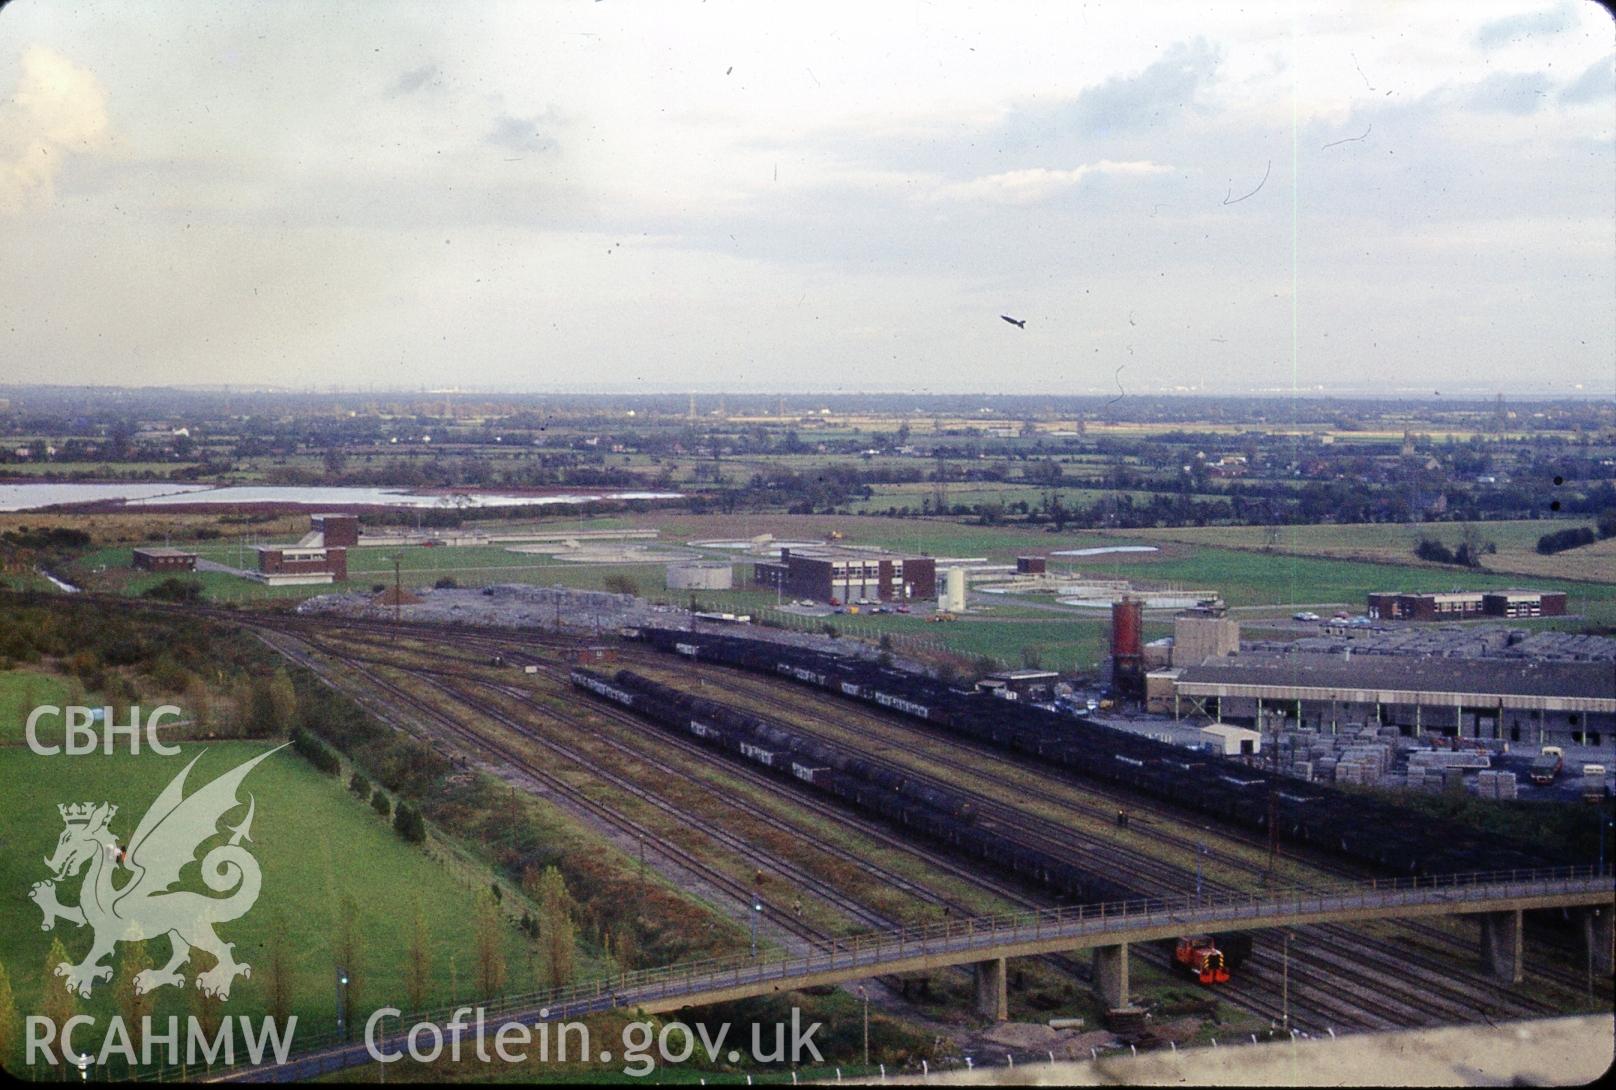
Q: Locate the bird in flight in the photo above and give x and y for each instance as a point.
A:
(1019, 323)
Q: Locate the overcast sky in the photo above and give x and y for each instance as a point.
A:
(683, 195)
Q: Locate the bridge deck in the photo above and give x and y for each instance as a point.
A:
(1012, 935)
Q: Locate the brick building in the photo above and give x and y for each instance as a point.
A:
(847, 575)
(291, 564)
(336, 530)
(1458, 605)
(164, 560)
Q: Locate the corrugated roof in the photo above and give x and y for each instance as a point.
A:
(1499, 677)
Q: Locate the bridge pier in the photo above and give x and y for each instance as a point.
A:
(1501, 945)
(1111, 974)
(1599, 929)
(992, 999)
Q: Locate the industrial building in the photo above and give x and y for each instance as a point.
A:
(336, 530)
(701, 575)
(951, 596)
(314, 559)
(1036, 685)
(1202, 633)
(847, 574)
(1512, 700)
(1031, 565)
(1457, 605)
(289, 565)
(164, 560)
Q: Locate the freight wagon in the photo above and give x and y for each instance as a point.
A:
(940, 815)
(1361, 827)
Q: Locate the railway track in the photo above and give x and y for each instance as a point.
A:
(1345, 966)
(1317, 994)
(1307, 1010)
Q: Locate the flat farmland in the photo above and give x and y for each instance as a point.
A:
(1393, 543)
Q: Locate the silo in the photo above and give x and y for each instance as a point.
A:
(1127, 646)
(953, 599)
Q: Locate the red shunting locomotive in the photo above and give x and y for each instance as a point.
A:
(1202, 957)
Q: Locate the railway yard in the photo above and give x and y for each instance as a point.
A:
(807, 870)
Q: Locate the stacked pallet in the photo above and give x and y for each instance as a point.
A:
(1495, 785)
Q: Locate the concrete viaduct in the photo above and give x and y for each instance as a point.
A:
(985, 943)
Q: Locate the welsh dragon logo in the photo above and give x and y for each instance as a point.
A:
(126, 895)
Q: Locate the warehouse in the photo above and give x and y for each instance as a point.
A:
(843, 574)
(164, 560)
(1492, 699)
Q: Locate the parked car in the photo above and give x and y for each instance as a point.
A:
(1304, 615)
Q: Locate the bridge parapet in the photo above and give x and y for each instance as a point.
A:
(987, 938)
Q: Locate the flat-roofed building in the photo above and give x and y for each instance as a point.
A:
(848, 574)
(164, 560)
(1460, 604)
(1524, 603)
(342, 530)
(301, 564)
(1515, 700)
(1025, 684)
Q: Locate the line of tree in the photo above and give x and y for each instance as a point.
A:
(1561, 540)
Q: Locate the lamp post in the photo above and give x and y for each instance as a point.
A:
(865, 995)
(757, 910)
(1200, 851)
(1285, 983)
(83, 1061)
(342, 1003)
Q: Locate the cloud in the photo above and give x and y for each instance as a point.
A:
(1502, 31)
(1598, 82)
(413, 80)
(1039, 184)
(1509, 92)
(1129, 102)
(520, 134)
(58, 108)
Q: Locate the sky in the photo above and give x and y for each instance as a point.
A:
(1397, 198)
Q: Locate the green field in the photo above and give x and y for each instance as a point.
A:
(315, 842)
(1310, 567)
(21, 691)
(1394, 543)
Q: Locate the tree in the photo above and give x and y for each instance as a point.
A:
(132, 1004)
(1607, 523)
(1032, 658)
(618, 583)
(58, 1003)
(379, 803)
(348, 955)
(283, 697)
(278, 973)
(200, 702)
(9, 1020)
(557, 931)
(490, 958)
(418, 962)
(1429, 548)
(359, 784)
(408, 823)
(208, 1010)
